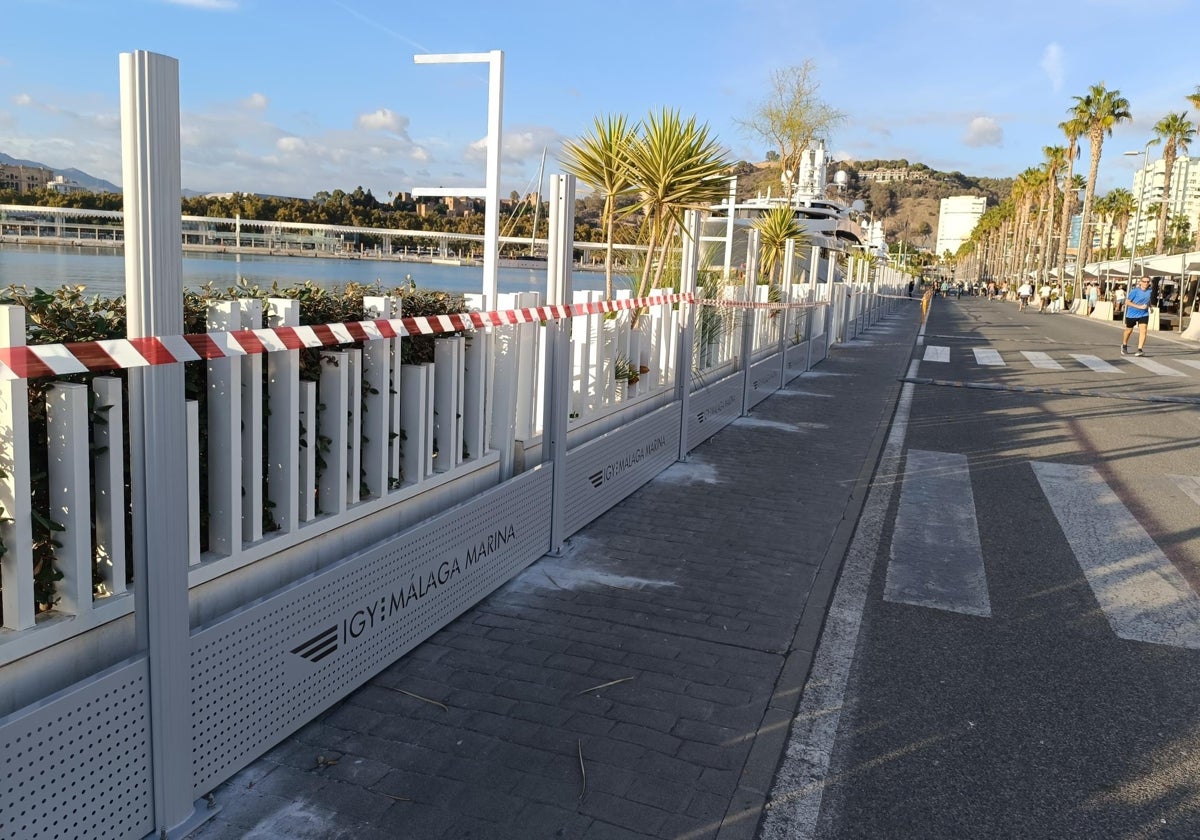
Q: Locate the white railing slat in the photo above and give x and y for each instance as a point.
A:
(16, 525)
(109, 468)
(70, 503)
(332, 426)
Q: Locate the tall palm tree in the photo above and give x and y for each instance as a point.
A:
(1194, 98)
(674, 165)
(1121, 205)
(600, 160)
(1176, 132)
(775, 228)
(1056, 159)
(1073, 129)
(1099, 109)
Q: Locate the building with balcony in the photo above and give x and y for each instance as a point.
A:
(24, 179)
(957, 217)
(1148, 189)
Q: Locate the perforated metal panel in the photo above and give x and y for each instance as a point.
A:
(764, 379)
(78, 765)
(795, 361)
(604, 471)
(820, 347)
(713, 408)
(260, 674)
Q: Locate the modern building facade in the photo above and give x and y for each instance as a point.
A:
(957, 217)
(1184, 199)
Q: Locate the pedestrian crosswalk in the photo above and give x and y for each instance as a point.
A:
(936, 559)
(990, 357)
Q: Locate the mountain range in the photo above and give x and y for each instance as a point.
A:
(90, 182)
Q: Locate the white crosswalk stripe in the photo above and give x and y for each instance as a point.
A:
(1189, 362)
(985, 356)
(1041, 360)
(1095, 363)
(1156, 367)
(1143, 596)
(936, 559)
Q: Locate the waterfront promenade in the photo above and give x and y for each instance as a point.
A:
(640, 685)
(645, 683)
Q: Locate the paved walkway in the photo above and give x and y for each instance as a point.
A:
(642, 685)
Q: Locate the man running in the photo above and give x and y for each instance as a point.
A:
(1137, 313)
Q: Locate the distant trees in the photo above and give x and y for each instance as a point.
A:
(791, 117)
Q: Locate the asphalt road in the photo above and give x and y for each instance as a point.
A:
(1025, 657)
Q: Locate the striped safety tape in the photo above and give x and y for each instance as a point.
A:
(41, 360)
(755, 304)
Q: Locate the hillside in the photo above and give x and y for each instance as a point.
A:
(909, 205)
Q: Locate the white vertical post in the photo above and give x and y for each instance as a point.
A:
(70, 506)
(252, 427)
(332, 425)
(689, 265)
(224, 438)
(376, 422)
(16, 565)
(154, 291)
(558, 346)
(748, 316)
(283, 427)
(109, 438)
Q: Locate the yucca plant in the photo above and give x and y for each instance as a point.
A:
(775, 228)
(601, 160)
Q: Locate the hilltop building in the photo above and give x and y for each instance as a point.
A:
(957, 217)
(1185, 197)
(24, 179)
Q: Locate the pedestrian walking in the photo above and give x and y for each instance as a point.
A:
(1044, 298)
(1137, 314)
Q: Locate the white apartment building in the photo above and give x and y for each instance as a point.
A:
(957, 217)
(1185, 196)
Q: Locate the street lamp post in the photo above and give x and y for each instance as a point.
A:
(1137, 213)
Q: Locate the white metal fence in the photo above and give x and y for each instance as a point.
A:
(341, 522)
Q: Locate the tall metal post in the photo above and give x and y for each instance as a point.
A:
(491, 188)
(154, 291)
(748, 315)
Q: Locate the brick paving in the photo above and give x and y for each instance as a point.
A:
(642, 684)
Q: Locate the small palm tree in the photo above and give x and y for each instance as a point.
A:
(1099, 110)
(674, 165)
(1121, 205)
(1176, 132)
(600, 160)
(775, 228)
(1073, 129)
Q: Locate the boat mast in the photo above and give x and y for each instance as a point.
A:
(537, 206)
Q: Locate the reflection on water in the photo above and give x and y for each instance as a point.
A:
(102, 271)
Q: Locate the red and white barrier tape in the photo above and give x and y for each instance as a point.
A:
(754, 304)
(41, 360)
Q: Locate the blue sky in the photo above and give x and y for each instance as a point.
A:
(295, 96)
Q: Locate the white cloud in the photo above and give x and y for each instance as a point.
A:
(384, 119)
(23, 99)
(983, 131)
(290, 145)
(256, 102)
(1053, 65)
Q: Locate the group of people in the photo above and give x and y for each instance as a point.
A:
(1046, 295)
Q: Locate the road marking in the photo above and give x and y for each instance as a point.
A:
(794, 805)
(1041, 360)
(1156, 367)
(933, 353)
(1144, 597)
(984, 356)
(1095, 363)
(1189, 484)
(936, 559)
(1189, 362)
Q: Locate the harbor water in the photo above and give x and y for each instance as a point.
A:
(102, 271)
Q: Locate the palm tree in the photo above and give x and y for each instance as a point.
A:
(1073, 129)
(775, 228)
(1121, 205)
(673, 165)
(1176, 132)
(1099, 110)
(1056, 159)
(601, 160)
(1194, 98)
